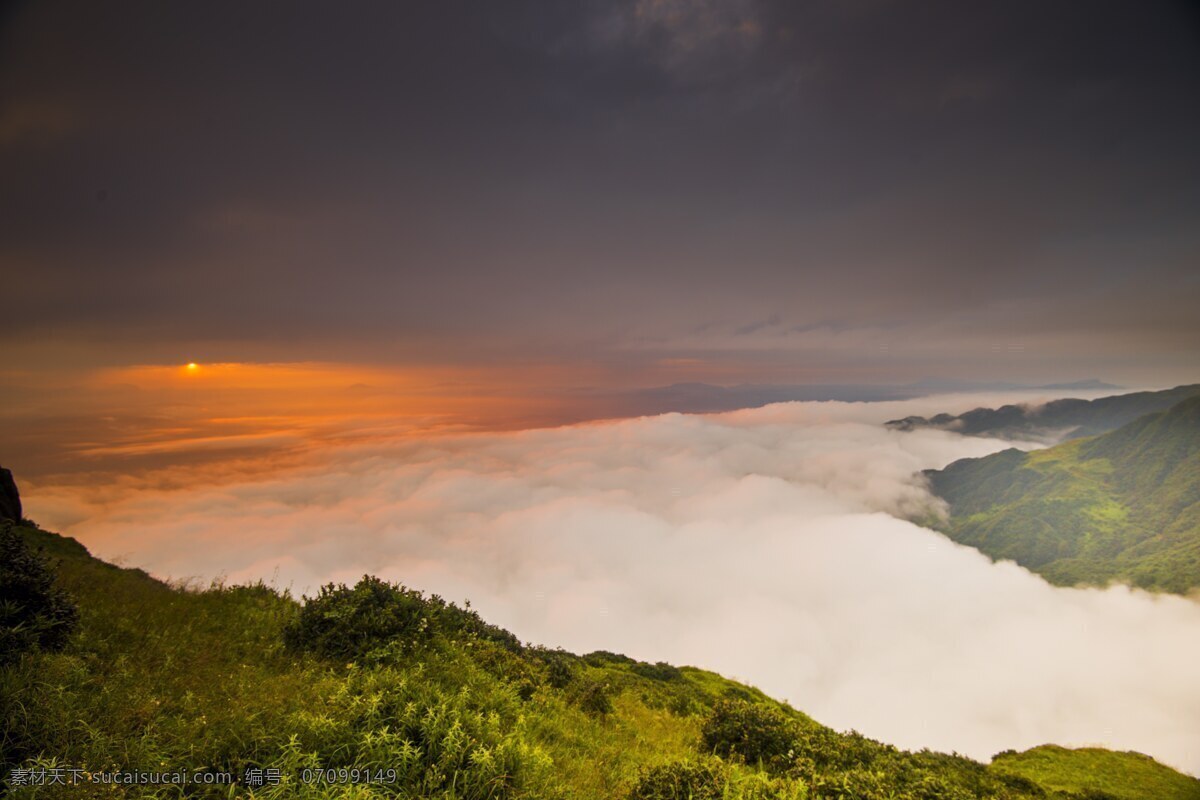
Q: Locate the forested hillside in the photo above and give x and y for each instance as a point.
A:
(1121, 506)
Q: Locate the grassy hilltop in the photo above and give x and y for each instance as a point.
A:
(1124, 505)
(378, 677)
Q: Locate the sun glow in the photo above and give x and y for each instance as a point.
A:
(225, 406)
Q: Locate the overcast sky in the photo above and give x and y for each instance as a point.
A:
(820, 191)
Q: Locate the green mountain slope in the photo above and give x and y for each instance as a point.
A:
(379, 691)
(1055, 421)
(1122, 774)
(1121, 506)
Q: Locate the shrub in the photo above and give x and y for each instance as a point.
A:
(560, 665)
(839, 765)
(1019, 783)
(446, 733)
(682, 780)
(659, 671)
(593, 697)
(377, 619)
(601, 658)
(34, 613)
(559, 673)
(751, 731)
(828, 750)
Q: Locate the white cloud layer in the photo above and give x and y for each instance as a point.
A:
(759, 543)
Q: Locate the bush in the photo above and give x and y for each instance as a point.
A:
(836, 764)
(659, 671)
(446, 730)
(602, 658)
(593, 697)
(828, 750)
(1019, 784)
(682, 780)
(561, 667)
(751, 731)
(377, 619)
(34, 613)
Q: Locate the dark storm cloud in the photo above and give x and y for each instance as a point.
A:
(632, 179)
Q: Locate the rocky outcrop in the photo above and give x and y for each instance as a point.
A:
(10, 498)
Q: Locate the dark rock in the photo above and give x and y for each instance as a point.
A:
(10, 498)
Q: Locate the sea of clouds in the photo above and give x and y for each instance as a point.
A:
(765, 544)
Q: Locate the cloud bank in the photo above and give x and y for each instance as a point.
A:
(758, 543)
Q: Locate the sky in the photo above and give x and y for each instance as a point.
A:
(533, 196)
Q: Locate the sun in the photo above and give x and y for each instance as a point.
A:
(192, 366)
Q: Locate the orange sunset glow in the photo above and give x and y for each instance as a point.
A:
(141, 415)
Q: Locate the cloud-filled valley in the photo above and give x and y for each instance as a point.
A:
(766, 544)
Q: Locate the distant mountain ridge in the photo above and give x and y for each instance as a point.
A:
(703, 398)
(1055, 421)
(1124, 505)
(955, 385)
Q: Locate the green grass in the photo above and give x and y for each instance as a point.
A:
(160, 677)
(1129, 776)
